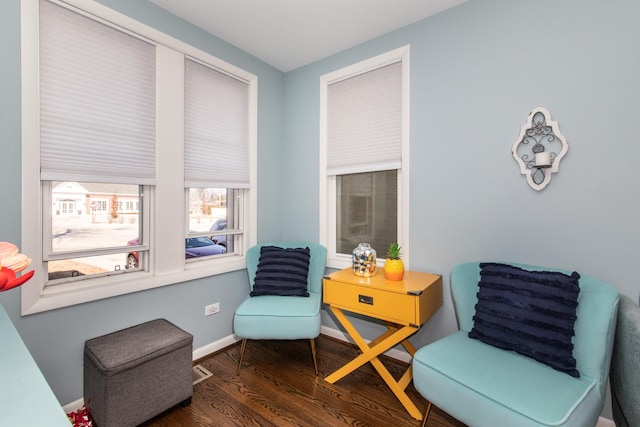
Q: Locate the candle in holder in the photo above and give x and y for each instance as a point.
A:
(543, 159)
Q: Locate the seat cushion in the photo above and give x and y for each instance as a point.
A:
(486, 386)
(278, 317)
(122, 350)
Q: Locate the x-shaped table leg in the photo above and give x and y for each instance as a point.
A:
(370, 352)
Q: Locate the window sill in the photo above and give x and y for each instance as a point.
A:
(338, 262)
(342, 262)
(106, 287)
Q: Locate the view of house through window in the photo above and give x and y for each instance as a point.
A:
(366, 210)
(92, 218)
(92, 227)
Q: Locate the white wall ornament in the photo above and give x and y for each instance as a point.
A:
(539, 148)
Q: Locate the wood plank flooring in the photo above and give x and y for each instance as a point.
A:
(277, 386)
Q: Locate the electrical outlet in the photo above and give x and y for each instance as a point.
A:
(211, 309)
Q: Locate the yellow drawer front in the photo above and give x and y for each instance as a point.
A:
(381, 304)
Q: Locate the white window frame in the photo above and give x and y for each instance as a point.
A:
(327, 188)
(166, 263)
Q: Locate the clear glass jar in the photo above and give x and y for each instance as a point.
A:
(364, 260)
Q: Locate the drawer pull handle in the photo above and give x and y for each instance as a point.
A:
(365, 299)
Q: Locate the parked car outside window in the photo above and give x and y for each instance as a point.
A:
(220, 224)
(194, 247)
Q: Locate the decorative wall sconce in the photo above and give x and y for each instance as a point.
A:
(539, 148)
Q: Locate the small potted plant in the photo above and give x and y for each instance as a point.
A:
(393, 266)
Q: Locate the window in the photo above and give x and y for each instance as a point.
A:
(364, 166)
(112, 136)
(97, 131)
(216, 129)
(212, 218)
(82, 241)
(366, 205)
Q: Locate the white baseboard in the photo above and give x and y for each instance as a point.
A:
(73, 406)
(605, 422)
(206, 350)
(229, 340)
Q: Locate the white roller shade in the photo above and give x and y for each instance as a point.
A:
(216, 128)
(364, 122)
(97, 117)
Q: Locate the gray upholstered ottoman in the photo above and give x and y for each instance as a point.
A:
(137, 373)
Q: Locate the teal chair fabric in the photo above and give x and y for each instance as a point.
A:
(625, 365)
(274, 317)
(484, 386)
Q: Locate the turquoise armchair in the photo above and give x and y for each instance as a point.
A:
(274, 317)
(485, 386)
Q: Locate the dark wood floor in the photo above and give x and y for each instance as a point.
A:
(277, 386)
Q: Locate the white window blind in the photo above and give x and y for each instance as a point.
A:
(216, 128)
(364, 122)
(97, 89)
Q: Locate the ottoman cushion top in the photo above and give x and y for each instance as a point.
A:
(131, 347)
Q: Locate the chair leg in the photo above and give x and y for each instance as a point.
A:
(313, 353)
(244, 345)
(426, 414)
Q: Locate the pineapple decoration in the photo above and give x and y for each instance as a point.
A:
(393, 266)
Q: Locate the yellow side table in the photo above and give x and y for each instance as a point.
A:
(403, 305)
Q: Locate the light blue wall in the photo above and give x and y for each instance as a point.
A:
(476, 72)
(56, 338)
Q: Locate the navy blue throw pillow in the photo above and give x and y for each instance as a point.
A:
(282, 271)
(530, 312)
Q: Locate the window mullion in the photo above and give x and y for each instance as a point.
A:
(166, 235)
(47, 231)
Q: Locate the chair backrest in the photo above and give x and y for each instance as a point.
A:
(594, 327)
(625, 365)
(316, 263)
